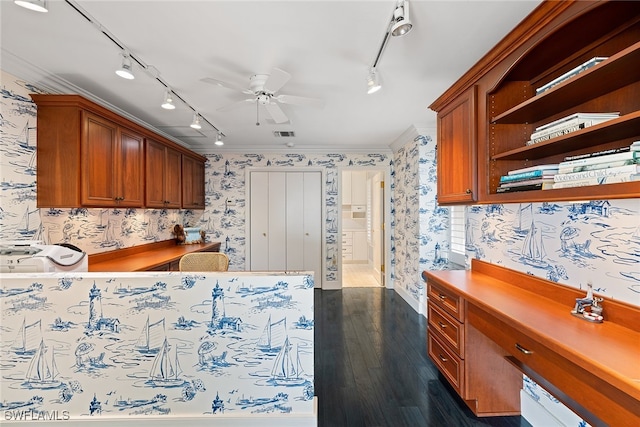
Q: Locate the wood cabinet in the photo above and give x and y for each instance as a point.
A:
(89, 156)
(474, 366)
(456, 163)
(490, 324)
(192, 183)
(555, 38)
(163, 176)
(112, 164)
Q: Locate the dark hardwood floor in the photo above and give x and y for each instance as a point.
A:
(371, 366)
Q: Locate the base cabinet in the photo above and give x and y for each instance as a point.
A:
(473, 365)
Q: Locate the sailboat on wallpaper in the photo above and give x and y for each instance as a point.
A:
(273, 336)
(533, 252)
(150, 340)
(42, 373)
(26, 343)
(286, 371)
(165, 371)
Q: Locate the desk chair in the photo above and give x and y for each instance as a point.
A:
(204, 261)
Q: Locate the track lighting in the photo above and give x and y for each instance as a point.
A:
(125, 69)
(36, 5)
(167, 104)
(219, 141)
(373, 81)
(401, 23)
(196, 122)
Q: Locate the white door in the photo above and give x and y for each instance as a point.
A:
(286, 221)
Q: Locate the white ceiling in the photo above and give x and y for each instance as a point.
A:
(326, 46)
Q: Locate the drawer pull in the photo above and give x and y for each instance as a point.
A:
(522, 349)
(442, 358)
(442, 297)
(442, 325)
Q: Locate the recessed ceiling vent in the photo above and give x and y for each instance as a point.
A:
(283, 133)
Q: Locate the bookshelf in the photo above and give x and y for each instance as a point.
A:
(555, 38)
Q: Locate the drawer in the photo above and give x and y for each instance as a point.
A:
(451, 366)
(448, 329)
(447, 299)
(347, 241)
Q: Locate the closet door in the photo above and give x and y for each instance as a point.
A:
(277, 234)
(312, 214)
(295, 220)
(259, 221)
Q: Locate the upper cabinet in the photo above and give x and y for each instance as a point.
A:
(354, 188)
(89, 156)
(112, 164)
(554, 39)
(192, 183)
(457, 150)
(163, 176)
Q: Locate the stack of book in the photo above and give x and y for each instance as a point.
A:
(567, 125)
(580, 68)
(602, 167)
(538, 177)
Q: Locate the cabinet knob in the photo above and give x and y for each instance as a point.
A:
(442, 358)
(468, 191)
(264, 234)
(442, 297)
(522, 349)
(306, 234)
(442, 325)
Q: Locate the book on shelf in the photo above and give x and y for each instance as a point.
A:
(547, 167)
(597, 173)
(527, 175)
(595, 166)
(627, 155)
(573, 72)
(610, 179)
(528, 187)
(586, 116)
(543, 180)
(599, 153)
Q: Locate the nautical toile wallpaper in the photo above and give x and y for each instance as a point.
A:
(84, 345)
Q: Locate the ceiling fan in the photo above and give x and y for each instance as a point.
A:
(263, 88)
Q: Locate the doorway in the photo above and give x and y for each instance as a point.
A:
(362, 228)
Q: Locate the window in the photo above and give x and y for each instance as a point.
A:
(457, 251)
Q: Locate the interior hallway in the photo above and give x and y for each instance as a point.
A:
(372, 369)
(358, 276)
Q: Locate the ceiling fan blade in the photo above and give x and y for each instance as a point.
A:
(276, 80)
(276, 112)
(237, 104)
(226, 85)
(300, 100)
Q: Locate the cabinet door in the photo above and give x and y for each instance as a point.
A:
(192, 183)
(130, 169)
(155, 166)
(359, 188)
(360, 246)
(173, 178)
(346, 187)
(99, 159)
(457, 150)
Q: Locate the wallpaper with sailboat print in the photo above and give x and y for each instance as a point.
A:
(100, 230)
(85, 345)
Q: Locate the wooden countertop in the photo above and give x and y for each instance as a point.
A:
(146, 257)
(610, 351)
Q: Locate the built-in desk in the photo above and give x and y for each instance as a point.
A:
(158, 256)
(504, 315)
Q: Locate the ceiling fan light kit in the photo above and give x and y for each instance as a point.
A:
(125, 68)
(35, 5)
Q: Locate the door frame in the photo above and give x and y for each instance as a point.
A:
(318, 281)
(386, 256)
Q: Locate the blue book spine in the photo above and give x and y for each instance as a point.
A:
(521, 176)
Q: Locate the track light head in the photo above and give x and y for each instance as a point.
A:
(401, 23)
(219, 142)
(35, 5)
(373, 82)
(125, 70)
(195, 124)
(167, 104)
